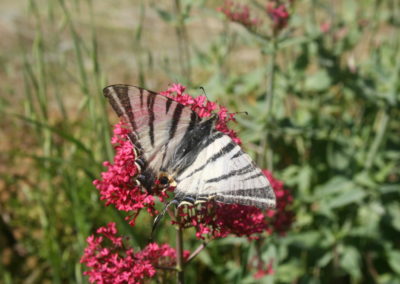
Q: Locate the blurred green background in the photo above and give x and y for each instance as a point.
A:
(332, 133)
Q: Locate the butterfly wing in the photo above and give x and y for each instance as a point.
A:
(222, 171)
(172, 138)
(157, 123)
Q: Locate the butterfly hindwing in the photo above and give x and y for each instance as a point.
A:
(223, 172)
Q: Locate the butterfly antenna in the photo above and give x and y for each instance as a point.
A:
(204, 92)
(160, 216)
(239, 112)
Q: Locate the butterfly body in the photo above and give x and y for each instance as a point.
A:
(178, 148)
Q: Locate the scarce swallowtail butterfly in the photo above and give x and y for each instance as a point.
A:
(178, 148)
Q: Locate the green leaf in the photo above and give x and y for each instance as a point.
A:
(325, 259)
(165, 15)
(58, 131)
(305, 240)
(339, 192)
(347, 197)
(318, 81)
(394, 212)
(394, 260)
(289, 272)
(350, 262)
(389, 188)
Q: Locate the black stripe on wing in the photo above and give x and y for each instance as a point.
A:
(208, 143)
(238, 154)
(141, 97)
(126, 111)
(259, 174)
(168, 105)
(175, 120)
(150, 108)
(247, 169)
(122, 106)
(256, 192)
(194, 119)
(262, 197)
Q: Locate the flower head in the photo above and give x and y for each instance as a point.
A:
(264, 270)
(203, 108)
(117, 185)
(217, 220)
(108, 256)
(239, 13)
(279, 15)
(281, 218)
(110, 260)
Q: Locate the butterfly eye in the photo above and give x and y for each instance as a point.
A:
(164, 180)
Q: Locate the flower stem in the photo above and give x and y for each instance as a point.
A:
(166, 268)
(271, 78)
(383, 118)
(196, 252)
(179, 249)
(269, 98)
(183, 42)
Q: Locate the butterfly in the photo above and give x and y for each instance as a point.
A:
(178, 148)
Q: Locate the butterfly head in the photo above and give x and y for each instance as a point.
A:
(165, 181)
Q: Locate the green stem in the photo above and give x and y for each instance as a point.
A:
(183, 43)
(196, 252)
(179, 249)
(271, 79)
(384, 119)
(270, 100)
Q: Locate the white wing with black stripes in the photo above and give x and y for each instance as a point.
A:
(179, 148)
(157, 125)
(222, 171)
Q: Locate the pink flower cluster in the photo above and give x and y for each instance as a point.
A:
(111, 261)
(117, 185)
(279, 15)
(277, 11)
(263, 271)
(217, 220)
(239, 13)
(203, 108)
(281, 218)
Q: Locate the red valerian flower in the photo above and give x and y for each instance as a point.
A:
(263, 271)
(280, 218)
(203, 108)
(279, 15)
(217, 220)
(108, 257)
(111, 261)
(325, 27)
(117, 185)
(239, 13)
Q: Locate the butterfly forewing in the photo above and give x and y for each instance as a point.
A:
(204, 162)
(157, 123)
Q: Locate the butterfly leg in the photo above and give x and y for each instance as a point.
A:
(204, 199)
(186, 200)
(161, 215)
(201, 200)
